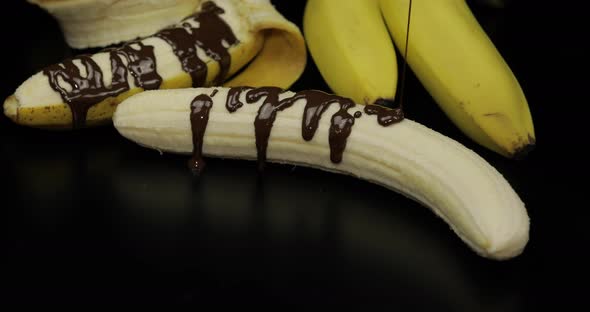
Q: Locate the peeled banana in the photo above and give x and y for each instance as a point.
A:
(349, 43)
(333, 133)
(226, 42)
(463, 71)
(99, 23)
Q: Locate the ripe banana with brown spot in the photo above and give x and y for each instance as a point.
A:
(332, 133)
(226, 42)
(464, 72)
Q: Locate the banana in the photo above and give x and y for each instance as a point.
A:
(226, 42)
(99, 23)
(463, 71)
(332, 133)
(349, 43)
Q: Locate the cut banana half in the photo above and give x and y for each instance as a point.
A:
(100, 23)
(328, 132)
(226, 42)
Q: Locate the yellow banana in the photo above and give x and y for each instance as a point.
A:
(464, 72)
(226, 42)
(349, 43)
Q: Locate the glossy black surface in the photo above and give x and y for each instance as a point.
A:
(89, 217)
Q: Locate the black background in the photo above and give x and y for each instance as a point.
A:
(89, 217)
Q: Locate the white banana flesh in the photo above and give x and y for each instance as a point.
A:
(99, 23)
(469, 194)
(36, 91)
(226, 42)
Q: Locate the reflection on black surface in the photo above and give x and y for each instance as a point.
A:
(97, 215)
(242, 230)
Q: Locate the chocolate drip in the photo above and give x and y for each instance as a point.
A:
(385, 116)
(317, 102)
(142, 64)
(200, 107)
(84, 92)
(267, 113)
(183, 46)
(233, 102)
(212, 35)
(340, 128)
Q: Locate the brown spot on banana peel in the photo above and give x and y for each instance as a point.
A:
(521, 147)
(522, 150)
(11, 108)
(58, 116)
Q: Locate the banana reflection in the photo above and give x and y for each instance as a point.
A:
(159, 198)
(282, 206)
(58, 183)
(168, 196)
(418, 258)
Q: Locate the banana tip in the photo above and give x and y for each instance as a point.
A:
(10, 107)
(523, 151)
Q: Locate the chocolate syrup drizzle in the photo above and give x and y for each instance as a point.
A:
(385, 116)
(142, 64)
(317, 102)
(200, 107)
(211, 34)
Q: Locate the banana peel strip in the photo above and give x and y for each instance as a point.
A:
(279, 62)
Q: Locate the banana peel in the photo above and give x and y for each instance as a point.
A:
(271, 52)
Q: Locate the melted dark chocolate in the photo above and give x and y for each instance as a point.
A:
(183, 45)
(211, 35)
(84, 92)
(200, 107)
(141, 62)
(340, 128)
(233, 102)
(385, 116)
(317, 102)
(267, 113)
